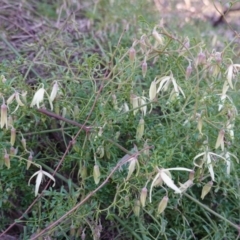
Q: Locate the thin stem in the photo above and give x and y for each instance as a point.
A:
(213, 212)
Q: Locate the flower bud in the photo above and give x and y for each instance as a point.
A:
(162, 205)
(54, 92)
(96, 174)
(146, 149)
(12, 150)
(13, 136)
(206, 189)
(132, 166)
(83, 235)
(134, 101)
(4, 115)
(140, 130)
(72, 230)
(76, 112)
(24, 144)
(188, 71)
(142, 103)
(115, 104)
(83, 172)
(136, 208)
(201, 58)
(220, 140)
(143, 196)
(158, 37)
(3, 79)
(7, 160)
(144, 69)
(218, 57)
(29, 162)
(153, 90)
(100, 151)
(132, 54)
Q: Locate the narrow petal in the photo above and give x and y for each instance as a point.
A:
(38, 181)
(210, 166)
(152, 185)
(169, 182)
(50, 176)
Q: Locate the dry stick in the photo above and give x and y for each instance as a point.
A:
(54, 115)
(63, 157)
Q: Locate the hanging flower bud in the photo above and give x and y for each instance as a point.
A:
(132, 54)
(24, 144)
(13, 136)
(115, 104)
(96, 174)
(72, 230)
(136, 208)
(76, 112)
(4, 115)
(146, 148)
(29, 162)
(143, 44)
(143, 196)
(54, 91)
(201, 58)
(142, 103)
(153, 90)
(132, 165)
(140, 130)
(12, 150)
(220, 140)
(83, 235)
(218, 57)
(158, 37)
(83, 172)
(200, 123)
(186, 43)
(125, 107)
(3, 79)
(134, 101)
(10, 99)
(188, 71)
(162, 205)
(100, 151)
(206, 189)
(7, 160)
(10, 121)
(144, 69)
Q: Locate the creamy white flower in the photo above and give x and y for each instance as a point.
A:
(38, 97)
(207, 159)
(40, 174)
(165, 176)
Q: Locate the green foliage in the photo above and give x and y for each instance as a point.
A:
(171, 127)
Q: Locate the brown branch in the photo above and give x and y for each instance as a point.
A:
(58, 117)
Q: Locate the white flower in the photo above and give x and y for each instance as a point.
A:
(207, 159)
(164, 84)
(231, 72)
(165, 176)
(40, 174)
(38, 97)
